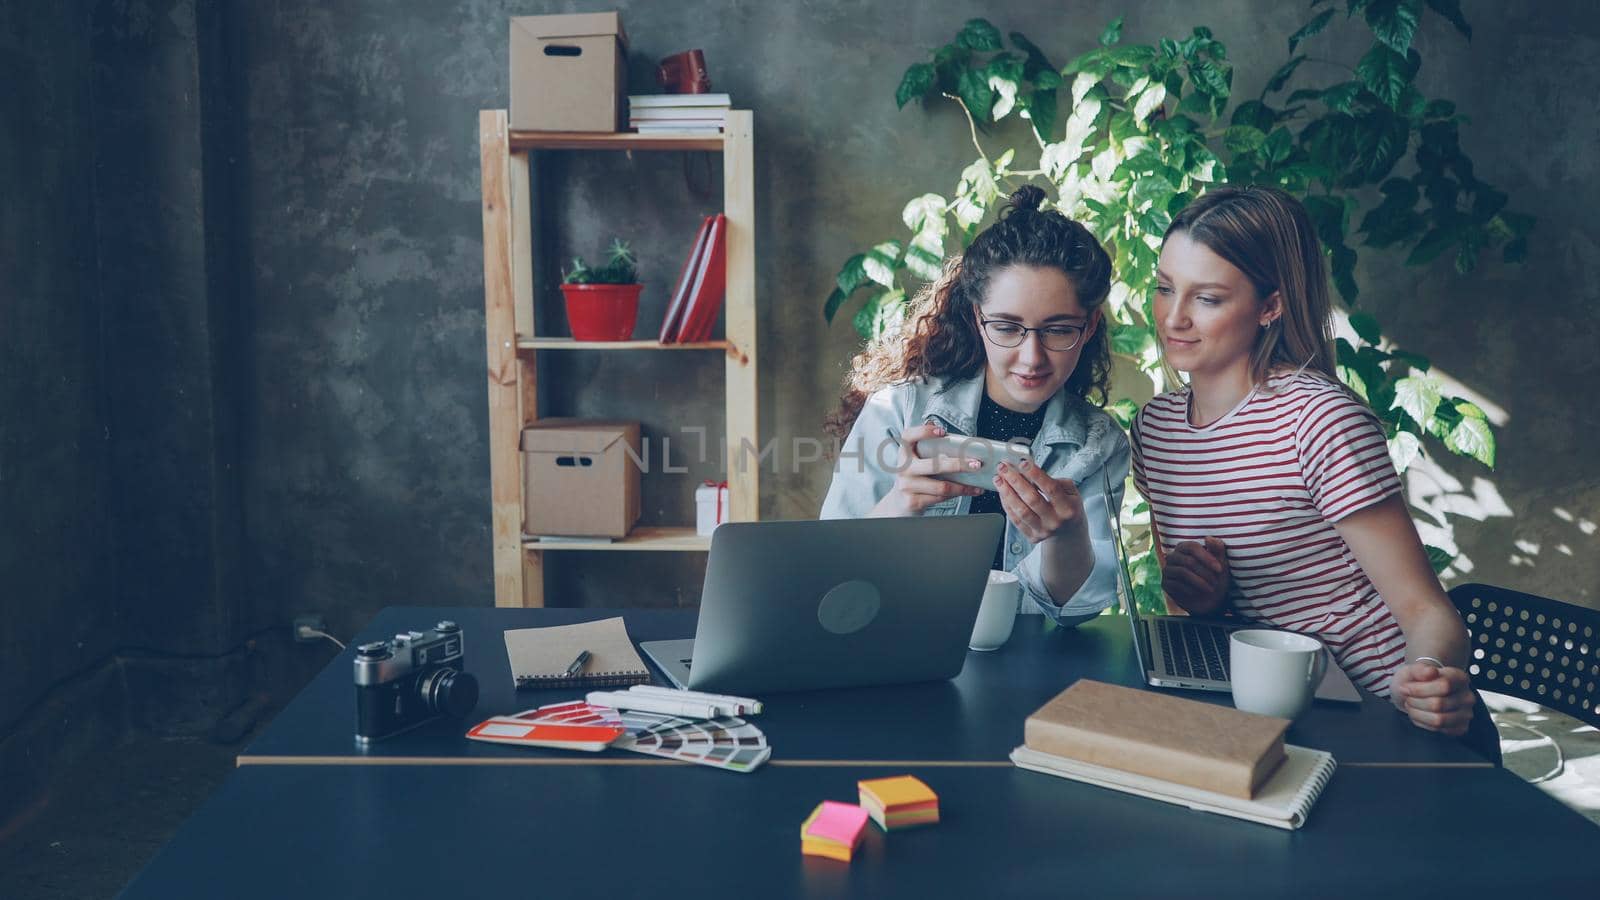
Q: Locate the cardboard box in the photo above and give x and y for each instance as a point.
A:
(580, 477)
(568, 73)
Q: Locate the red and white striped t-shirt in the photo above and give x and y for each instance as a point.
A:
(1269, 479)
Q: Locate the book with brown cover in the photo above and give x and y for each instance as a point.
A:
(1201, 745)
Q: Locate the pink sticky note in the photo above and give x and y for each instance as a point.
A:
(840, 822)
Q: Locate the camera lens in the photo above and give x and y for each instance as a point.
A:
(450, 692)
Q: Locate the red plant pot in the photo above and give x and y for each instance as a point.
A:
(602, 312)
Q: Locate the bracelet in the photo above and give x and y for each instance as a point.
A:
(1428, 659)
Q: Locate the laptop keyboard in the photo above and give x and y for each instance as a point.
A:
(1194, 649)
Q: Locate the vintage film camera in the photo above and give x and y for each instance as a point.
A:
(415, 677)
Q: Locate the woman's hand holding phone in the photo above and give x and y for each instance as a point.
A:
(916, 483)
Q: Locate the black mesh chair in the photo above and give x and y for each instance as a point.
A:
(1533, 648)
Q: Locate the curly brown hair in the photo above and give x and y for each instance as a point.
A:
(940, 337)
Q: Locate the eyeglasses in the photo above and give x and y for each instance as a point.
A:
(1005, 333)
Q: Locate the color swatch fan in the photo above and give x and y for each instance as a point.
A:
(899, 802)
(833, 830)
(726, 742)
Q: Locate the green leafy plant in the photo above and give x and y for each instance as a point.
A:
(620, 267)
(1128, 134)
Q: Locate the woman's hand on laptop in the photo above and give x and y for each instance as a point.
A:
(1436, 698)
(915, 489)
(1195, 576)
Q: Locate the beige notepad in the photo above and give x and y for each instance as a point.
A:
(1283, 802)
(540, 656)
(1201, 745)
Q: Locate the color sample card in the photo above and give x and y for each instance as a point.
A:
(521, 732)
(725, 742)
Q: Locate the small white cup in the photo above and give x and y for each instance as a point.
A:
(998, 612)
(1274, 673)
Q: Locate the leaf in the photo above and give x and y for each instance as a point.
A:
(1082, 84)
(1366, 327)
(1472, 437)
(1131, 340)
(881, 261)
(1212, 79)
(1438, 559)
(1451, 10)
(1404, 448)
(1277, 146)
(1394, 22)
(1354, 381)
(1385, 73)
(1439, 109)
(1284, 73)
(925, 213)
(1419, 396)
(1123, 411)
(1342, 97)
(979, 35)
(852, 274)
(1386, 138)
(1112, 34)
(831, 306)
(975, 93)
(1006, 91)
(925, 256)
(1038, 64)
(1242, 139)
(1310, 28)
(917, 82)
(1255, 114)
(1435, 242)
(1152, 189)
(1149, 101)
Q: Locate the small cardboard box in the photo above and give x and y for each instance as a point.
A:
(568, 72)
(580, 477)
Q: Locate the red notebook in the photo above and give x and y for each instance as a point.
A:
(680, 294)
(710, 283)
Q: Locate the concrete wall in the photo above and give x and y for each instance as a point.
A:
(367, 475)
(243, 314)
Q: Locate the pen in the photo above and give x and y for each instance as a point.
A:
(578, 664)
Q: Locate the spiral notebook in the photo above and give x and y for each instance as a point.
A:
(540, 656)
(1283, 802)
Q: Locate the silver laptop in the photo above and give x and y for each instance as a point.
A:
(1186, 652)
(791, 606)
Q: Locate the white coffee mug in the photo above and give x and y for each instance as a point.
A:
(1274, 673)
(998, 612)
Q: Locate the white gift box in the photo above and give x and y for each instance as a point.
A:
(710, 506)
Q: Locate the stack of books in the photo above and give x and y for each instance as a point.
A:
(702, 283)
(678, 113)
(1200, 755)
(833, 830)
(899, 802)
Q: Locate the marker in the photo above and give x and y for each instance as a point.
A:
(627, 700)
(737, 706)
(578, 664)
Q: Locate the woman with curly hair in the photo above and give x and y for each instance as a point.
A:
(1009, 343)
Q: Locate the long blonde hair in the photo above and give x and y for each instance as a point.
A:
(1267, 234)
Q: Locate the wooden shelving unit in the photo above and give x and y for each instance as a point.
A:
(513, 347)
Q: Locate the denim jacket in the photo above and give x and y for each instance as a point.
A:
(1076, 441)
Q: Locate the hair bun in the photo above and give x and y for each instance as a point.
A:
(1029, 197)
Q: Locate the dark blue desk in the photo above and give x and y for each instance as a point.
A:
(666, 830)
(975, 718)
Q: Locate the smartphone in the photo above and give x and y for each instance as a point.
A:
(990, 453)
